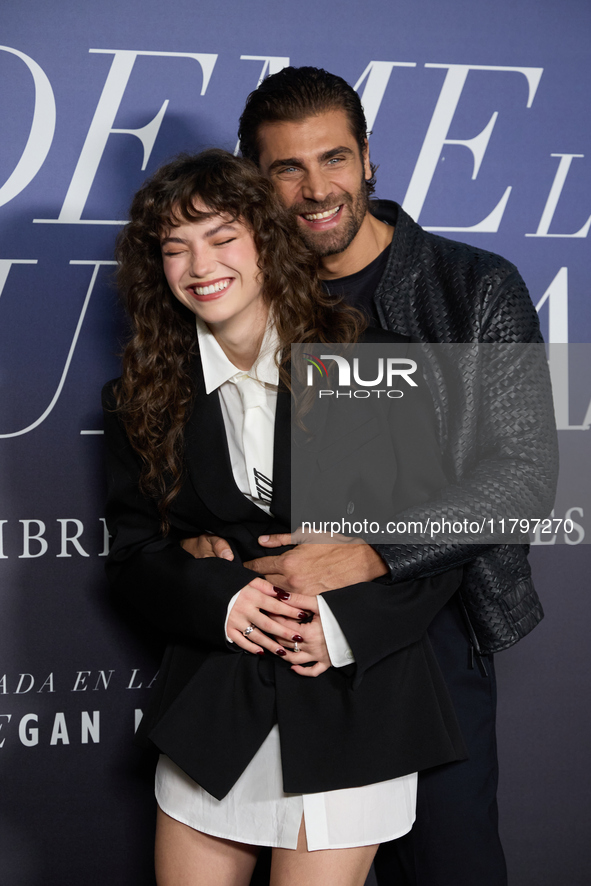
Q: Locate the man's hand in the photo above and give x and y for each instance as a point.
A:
(312, 569)
(308, 569)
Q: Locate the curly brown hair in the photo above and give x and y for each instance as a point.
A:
(155, 392)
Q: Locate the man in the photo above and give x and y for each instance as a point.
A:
(306, 130)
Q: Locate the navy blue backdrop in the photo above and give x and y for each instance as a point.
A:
(481, 128)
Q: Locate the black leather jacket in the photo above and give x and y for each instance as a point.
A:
(441, 291)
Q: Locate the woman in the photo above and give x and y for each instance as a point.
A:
(217, 285)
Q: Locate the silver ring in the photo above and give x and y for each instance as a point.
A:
(296, 648)
(248, 631)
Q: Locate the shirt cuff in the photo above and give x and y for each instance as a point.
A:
(230, 604)
(339, 651)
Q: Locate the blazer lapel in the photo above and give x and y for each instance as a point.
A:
(281, 501)
(208, 458)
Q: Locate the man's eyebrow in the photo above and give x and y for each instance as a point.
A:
(342, 149)
(297, 161)
(288, 161)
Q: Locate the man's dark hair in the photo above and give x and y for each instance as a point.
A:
(297, 93)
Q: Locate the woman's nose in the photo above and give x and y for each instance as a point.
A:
(202, 262)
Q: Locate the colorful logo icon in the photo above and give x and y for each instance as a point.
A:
(317, 362)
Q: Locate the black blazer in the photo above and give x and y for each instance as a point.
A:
(213, 705)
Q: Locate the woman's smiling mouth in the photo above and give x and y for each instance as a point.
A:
(212, 290)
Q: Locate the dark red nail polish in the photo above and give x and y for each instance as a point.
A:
(280, 651)
(283, 595)
(260, 651)
(305, 617)
(297, 639)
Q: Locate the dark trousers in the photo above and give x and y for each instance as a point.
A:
(455, 839)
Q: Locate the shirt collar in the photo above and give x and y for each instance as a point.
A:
(217, 369)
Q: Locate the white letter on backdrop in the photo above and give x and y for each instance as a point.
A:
(7, 263)
(43, 416)
(378, 77)
(102, 127)
(554, 197)
(272, 65)
(40, 136)
(436, 138)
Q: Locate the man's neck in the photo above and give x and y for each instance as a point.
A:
(371, 239)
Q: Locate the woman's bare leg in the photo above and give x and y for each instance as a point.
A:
(323, 867)
(186, 857)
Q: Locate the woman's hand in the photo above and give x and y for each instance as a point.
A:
(311, 643)
(257, 606)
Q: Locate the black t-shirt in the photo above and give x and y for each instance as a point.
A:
(358, 289)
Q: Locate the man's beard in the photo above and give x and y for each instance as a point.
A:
(336, 240)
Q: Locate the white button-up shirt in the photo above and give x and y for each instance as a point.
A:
(249, 401)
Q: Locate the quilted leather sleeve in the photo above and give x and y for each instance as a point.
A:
(503, 463)
(501, 449)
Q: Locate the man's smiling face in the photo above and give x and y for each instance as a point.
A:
(318, 171)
